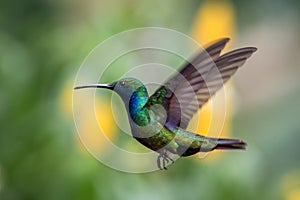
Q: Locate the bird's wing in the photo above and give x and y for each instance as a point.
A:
(184, 93)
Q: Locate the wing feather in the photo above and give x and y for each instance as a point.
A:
(187, 91)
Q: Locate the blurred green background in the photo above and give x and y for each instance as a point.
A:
(43, 43)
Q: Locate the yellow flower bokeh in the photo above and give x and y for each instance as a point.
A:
(214, 20)
(290, 186)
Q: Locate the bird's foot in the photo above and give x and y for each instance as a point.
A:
(163, 159)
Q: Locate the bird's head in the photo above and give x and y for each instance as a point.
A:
(124, 87)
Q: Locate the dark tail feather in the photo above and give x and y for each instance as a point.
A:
(230, 144)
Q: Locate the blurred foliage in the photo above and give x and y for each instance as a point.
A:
(42, 44)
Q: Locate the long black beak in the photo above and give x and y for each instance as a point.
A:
(107, 86)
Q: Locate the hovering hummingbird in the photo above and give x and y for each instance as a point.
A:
(159, 122)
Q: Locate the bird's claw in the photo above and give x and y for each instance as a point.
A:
(163, 159)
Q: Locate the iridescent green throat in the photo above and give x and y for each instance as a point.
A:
(137, 109)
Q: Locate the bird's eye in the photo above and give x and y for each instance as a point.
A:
(123, 83)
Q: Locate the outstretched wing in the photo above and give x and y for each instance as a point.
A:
(183, 94)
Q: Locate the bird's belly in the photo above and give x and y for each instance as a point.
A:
(155, 137)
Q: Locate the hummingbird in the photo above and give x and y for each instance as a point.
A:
(159, 121)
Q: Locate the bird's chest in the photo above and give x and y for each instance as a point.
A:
(150, 126)
(153, 135)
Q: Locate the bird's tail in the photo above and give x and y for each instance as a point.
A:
(230, 144)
